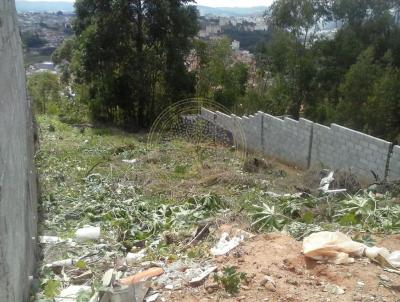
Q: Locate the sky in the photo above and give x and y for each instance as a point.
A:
(234, 3)
(213, 3)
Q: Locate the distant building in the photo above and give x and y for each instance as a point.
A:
(235, 45)
(46, 66)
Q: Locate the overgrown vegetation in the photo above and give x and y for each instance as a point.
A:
(329, 78)
(162, 199)
(360, 212)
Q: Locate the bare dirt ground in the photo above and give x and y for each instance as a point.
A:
(277, 271)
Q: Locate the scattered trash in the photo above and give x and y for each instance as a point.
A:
(394, 259)
(333, 247)
(65, 262)
(336, 247)
(130, 161)
(71, 293)
(49, 239)
(276, 195)
(151, 297)
(333, 289)
(326, 182)
(225, 244)
(108, 277)
(88, 233)
(169, 287)
(126, 293)
(133, 258)
(197, 281)
(144, 275)
(82, 277)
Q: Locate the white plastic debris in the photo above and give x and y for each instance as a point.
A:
(196, 281)
(64, 262)
(152, 297)
(337, 248)
(70, 294)
(108, 277)
(394, 259)
(224, 245)
(334, 247)
(130, 161)
(326, 182)
(373, 252)
(49, 239)
(88, 233)
(133, 258)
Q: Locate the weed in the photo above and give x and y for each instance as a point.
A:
(267, 217)
(230, 279)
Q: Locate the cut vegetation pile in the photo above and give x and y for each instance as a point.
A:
(166, 208)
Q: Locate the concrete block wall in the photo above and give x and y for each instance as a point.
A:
(394, 164)
(17, 174)
(252, 130)
(287, 139)
(304, 143)
(343, 148)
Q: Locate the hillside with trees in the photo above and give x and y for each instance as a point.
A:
(128, 76)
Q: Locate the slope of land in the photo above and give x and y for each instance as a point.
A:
(170, 203)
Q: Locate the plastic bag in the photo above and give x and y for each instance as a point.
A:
(394, 259)
(334, 247)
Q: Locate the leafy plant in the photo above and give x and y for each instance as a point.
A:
(52, 288)
(230, 279)
(267, 217)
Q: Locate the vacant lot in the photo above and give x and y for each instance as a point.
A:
(171, 203)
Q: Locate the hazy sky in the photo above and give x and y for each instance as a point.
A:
(238, 3)
(215, 3)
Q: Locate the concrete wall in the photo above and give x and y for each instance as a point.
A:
(340, 147)
(17, 175)
(287, 139)
(304, 143)
(394, 164)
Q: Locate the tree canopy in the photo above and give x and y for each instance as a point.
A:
(131, 56)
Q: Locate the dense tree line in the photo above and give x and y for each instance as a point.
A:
(351, 78)
(128, 56)
(132, 58)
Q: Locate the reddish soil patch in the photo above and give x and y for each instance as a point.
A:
(296, 278)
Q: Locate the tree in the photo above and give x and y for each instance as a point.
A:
(31, 39)
(382, 110)
(131, 55)
(219, 76)
(44, 89)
